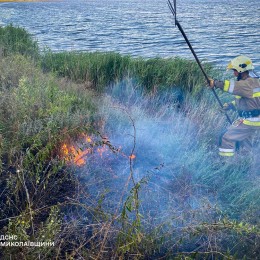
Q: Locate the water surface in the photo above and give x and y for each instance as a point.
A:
(218, 30)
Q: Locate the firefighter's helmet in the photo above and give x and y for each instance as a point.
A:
(241, 64)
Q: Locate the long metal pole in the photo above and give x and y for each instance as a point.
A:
(195, 56)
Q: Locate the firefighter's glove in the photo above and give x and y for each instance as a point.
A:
(228, 106)
(211, 83)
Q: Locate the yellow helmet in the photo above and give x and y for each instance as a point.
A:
(241, 64)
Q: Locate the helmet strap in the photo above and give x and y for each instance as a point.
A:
(239, 77)
(243, 75)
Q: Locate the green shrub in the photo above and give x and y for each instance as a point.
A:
(38, 113)
(17, 40)
(39, 106)
(13, 68)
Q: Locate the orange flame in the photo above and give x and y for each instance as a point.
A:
(132, 157)
(76, 156)
(73, 154)
(102, 150)
(88, 139)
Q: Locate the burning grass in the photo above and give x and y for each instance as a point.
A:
(176, 198)
(37, 113)
(187, 195)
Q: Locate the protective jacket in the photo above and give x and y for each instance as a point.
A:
(247, 102)
(247, 94)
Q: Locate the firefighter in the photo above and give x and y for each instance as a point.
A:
(246, 90)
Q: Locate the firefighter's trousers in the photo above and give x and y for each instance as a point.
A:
(242, 131)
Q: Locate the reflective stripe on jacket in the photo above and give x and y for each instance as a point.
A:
(247, 92)
(253, 121)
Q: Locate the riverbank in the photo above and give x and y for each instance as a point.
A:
(109, 156)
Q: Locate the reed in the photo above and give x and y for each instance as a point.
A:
(99, 70)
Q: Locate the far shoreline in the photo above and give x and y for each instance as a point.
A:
(20, 1)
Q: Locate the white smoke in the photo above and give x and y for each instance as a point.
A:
(168, 151)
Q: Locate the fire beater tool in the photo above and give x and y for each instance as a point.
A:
(174, 13)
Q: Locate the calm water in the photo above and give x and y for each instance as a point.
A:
(218, 30)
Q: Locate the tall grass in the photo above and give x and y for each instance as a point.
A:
(38, 112)
(193, 200)
(95, 69)
(176, 198)
(99, 70)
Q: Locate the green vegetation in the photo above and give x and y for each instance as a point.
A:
(17, 40)
(99, 70)
(197, 208)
